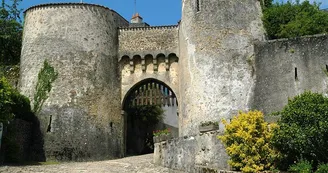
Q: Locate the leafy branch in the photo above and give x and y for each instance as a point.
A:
(46, 77)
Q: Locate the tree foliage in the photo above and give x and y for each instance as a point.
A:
(10, 32)
(266, 3)
(6, 101)
(303, 132)
(149, 115)
(247, 141)
(286, 20)
(13, 104)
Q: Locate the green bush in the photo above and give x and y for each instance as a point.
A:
(303, 130)
(6, 101)
(13, 104)
(323, 168)
(247, 140)
(286, 20)
(301, 167)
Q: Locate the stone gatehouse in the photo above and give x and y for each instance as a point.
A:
(215, 62)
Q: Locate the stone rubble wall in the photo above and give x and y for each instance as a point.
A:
(191, 153)
(81, 120)
(19, 133)
(216, 43)
(276, 65)
(148, 40)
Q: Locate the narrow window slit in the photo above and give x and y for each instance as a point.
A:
(296, 73)
(197, 6)
(49, 125)
(326, 67)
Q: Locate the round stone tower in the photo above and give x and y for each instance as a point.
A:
(216, 59)
(80, 117)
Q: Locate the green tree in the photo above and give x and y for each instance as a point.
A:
(10, 32)
(303, 130)
(266, 3)
(286, 20)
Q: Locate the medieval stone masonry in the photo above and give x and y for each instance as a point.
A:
(215, 62)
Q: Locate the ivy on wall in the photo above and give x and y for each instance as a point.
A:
(46, 77)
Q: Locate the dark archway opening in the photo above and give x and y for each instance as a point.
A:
(148, 107)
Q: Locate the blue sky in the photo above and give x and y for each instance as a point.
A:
(324, 3)
(154, 12)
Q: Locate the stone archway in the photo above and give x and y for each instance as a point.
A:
(141, 105)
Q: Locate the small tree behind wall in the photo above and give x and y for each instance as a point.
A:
(141, 123)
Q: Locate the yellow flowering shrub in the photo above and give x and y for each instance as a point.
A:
(247, 141)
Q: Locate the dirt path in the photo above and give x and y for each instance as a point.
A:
(136, 164)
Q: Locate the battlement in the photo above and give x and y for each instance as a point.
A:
(148, 28)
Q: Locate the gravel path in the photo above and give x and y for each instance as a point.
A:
(139, 164)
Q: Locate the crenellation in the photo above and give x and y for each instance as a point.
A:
(122, 29)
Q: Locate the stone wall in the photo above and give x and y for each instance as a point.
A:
(19, 136)
(276, 65)
(216, 40)
(148, 40)
(81, 119)
(191, 153)
(119, 20)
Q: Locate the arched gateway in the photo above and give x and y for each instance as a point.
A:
(143, 105)
(149, 85)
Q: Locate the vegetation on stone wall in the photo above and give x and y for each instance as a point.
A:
(46, 77)
(303, 130)
(247, 139)
(286, 20)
